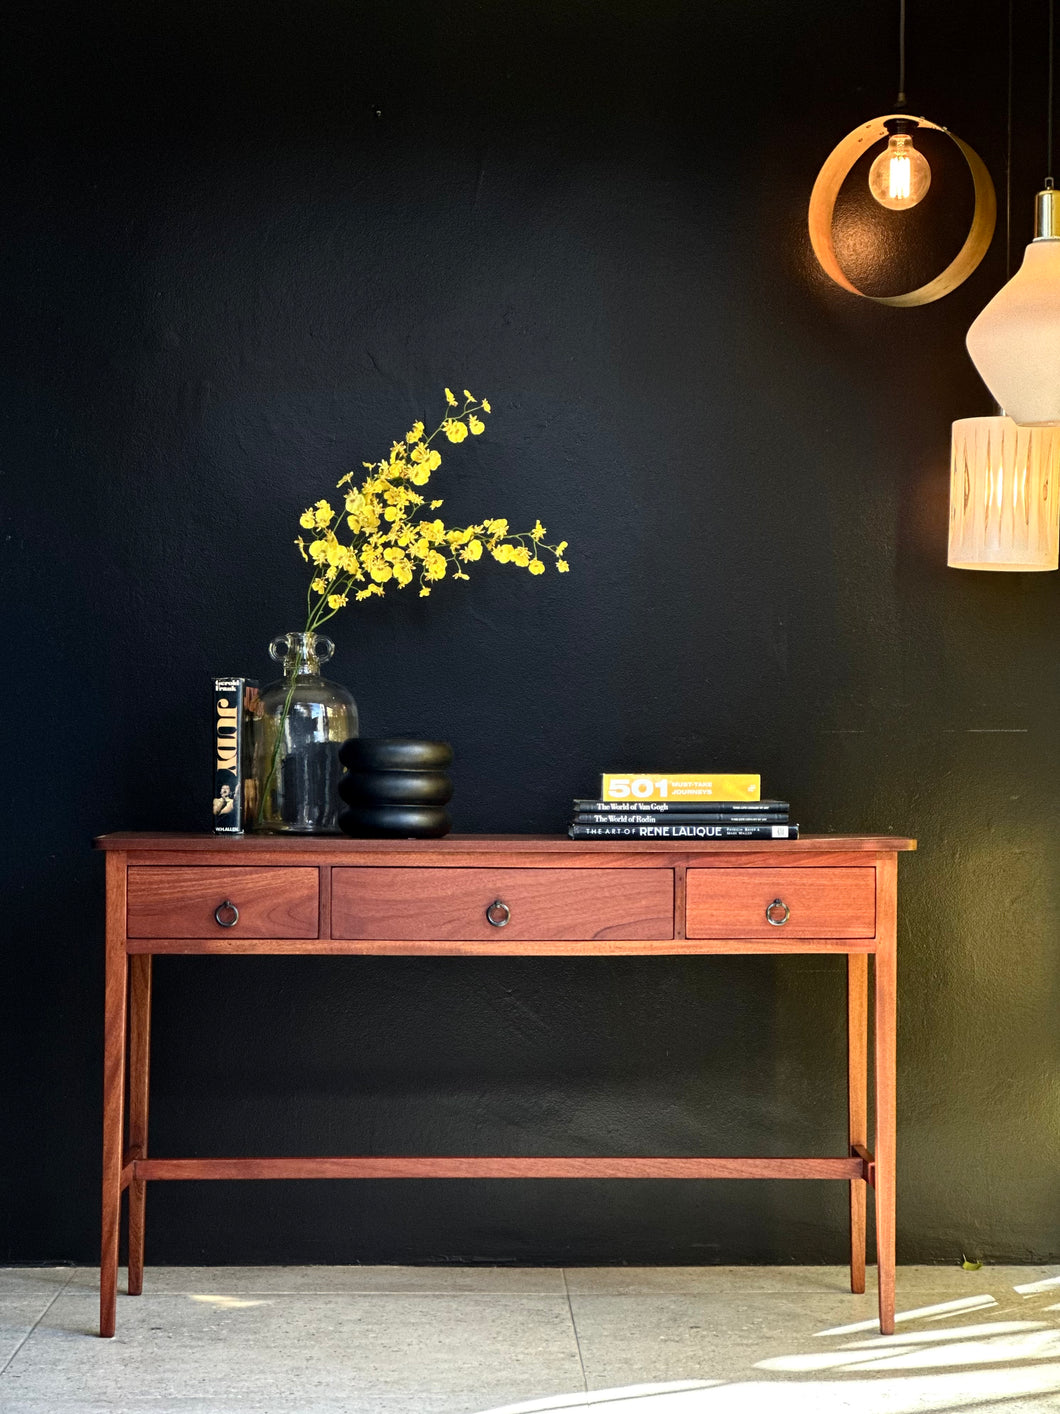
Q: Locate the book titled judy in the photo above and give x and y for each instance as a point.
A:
(235, 702)
(668, 831)
(698, 787)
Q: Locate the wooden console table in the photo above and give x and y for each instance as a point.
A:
(496, 895)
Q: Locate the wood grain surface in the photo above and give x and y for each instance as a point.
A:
(495, 1167)
(495, 845)
(180, 902)
(823, 903)
(437, 905)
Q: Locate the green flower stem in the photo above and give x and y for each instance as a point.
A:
(279, 731)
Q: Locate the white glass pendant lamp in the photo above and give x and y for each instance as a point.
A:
(1004, 495)
(1015, 342)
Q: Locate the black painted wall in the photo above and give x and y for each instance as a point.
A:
(243, 246)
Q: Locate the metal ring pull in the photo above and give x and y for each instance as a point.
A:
(778, 922)
(505, 911)
(227, 907)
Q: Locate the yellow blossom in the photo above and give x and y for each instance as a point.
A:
(382, 545)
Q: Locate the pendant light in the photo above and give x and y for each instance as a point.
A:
(1004, 495)
(900, 176)
(1004, 478)
(1015, 342)
(898, 179)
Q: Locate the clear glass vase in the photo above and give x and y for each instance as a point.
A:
(304, 720)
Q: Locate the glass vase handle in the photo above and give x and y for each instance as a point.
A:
(280, 648)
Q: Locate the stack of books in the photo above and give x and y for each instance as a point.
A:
(682, 807)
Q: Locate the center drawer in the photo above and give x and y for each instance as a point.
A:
(532, 905)
(252, 902)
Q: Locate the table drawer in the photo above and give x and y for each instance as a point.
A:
(542, 905)
(180, 902)
(820, 903)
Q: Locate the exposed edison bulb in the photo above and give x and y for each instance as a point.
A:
(900, 176)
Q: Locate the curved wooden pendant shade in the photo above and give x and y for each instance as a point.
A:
(835, 172)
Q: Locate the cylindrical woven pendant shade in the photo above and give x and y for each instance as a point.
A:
(1004, 495)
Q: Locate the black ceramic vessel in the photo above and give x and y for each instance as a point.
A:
(395, 788)
(395, 753)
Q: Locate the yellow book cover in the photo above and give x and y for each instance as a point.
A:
(681, 787)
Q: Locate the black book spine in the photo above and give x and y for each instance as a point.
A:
(735, 808)
(779, 817)
(684, 832)
(234, 702)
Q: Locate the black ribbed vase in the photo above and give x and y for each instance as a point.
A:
(395, 788)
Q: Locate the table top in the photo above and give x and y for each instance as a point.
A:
(135, 840)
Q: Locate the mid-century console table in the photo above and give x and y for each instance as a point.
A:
(485, 895)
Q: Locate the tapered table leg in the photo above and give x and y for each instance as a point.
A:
(886, 1084)
(114, 1024)
(139, 1069)
(857, 1103)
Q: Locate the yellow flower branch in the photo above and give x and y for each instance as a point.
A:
(388, 541)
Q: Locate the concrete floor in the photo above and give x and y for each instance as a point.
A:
(429, 1340)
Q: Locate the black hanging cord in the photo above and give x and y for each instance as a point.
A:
(1008, 156)
(1049, 109)
(901, 52)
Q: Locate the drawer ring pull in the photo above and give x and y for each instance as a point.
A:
(226, 907)
(778, 903)
(496, 907)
